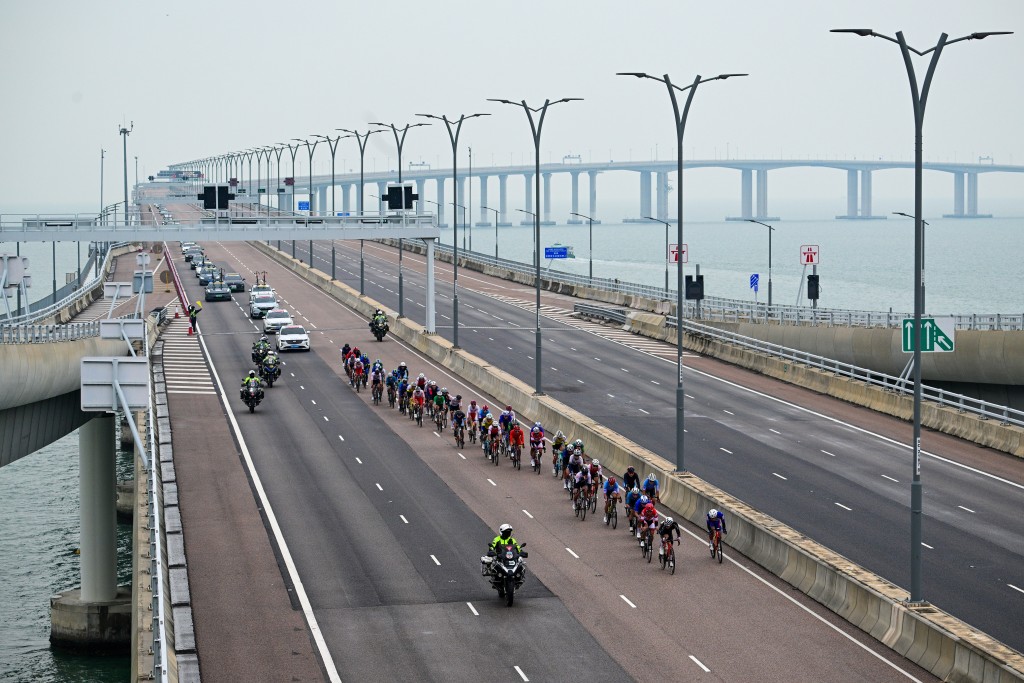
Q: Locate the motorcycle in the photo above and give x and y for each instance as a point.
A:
(379, 328)
(259, 354)
(270, 374)
(505, 570)
(252, 397)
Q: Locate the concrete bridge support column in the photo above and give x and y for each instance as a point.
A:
(323, 197)
(528, 200)
(483, 222)
(382, 188)
(851, 193)
(661, 192)
(593, 196)
(461, 217)
(547, 198)
(97, 615)
(421, 189)
(958, 194)
(865, 194)
(440, 203)
(430, 321)
(645, 193)
(346, 201)
(575, 197)
(762, 193)
(503, 198)
(972, 194)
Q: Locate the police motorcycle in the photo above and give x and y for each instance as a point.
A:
(252, 393)
(260, 348)
(269, 369)
(379, 325)
(506, 570)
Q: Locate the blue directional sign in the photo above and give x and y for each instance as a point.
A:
(344, 213)
(754, 279)
(556, 252)
(303, 206)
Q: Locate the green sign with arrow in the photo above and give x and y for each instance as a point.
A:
(937, 335)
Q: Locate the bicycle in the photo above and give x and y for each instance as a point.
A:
(646, 544)
(611, 513)
(556, 464)
(535, 456)
(418, 414)
(439, 420)
(668, 555)
(716, 546)
(391, 397)
(580, 502)
(460, 436)
(495, 455)
(515, 454)
(378, 393)
(358, 381)
(592, 497)
(402, 401)
(471, 428)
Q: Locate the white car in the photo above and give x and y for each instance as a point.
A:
(275, 320)
(256, 290)
(185, 246)
(260, 304)
(292, 337)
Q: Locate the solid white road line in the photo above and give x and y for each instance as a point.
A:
(780, 476)
(527, 514)
(827, 453)
(628, 601)
(697, 662)
(572, 553)
(521, 674)
(472, 609)
(844, 507)
(1020, 590)
(436, 561)
(886, 476)
(726, 450)
(927, 546)
(774, 431)
(968, 509)
(728, 412)
(402, 517)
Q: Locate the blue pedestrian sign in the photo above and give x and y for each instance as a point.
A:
(556, 252)
(754, 278)
(303, 206)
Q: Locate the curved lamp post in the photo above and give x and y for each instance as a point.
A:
(361, 140)
(591, 221)
(665, 223)
(770, 231)
(919, 97)
(487, 208)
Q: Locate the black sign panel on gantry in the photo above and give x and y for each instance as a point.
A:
(216, 197)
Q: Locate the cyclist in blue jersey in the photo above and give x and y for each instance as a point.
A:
(632, 496)
(650, 487)
(715, 521)
(612, 491)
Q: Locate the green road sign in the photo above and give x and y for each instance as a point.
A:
(937, 337)
(262, 190)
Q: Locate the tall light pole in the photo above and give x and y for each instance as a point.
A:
(310, 148)
(361, 139)
(334, 149)
(487, 208)
(665, 223)
(103, 156)
(400, 142)
(680, 127)
(770, 231)
(259, 177)
(591, 220)
(124, 133)
(536, 128)
(536, 238)
(919, 97)
(278, 148)
(453, 136)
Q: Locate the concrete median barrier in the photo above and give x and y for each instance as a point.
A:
(933, 639)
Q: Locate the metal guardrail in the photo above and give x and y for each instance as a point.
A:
(733, 310)
(959, 402)
(37, 334)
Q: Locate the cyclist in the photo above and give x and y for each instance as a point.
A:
(557, 448)
(715, 521)
(632, 496)
(357, 372)
(574, 465)
(631, 479)
(648, 519)
(596, 475)
(650, 487)
(419, 398)
(251, 380)
(437, 398)
(455, 403)
(493, 433)
(506, 419)
(580, 481)
(403, 394)
(472, 416)
(377, 365)
(403, 370)
(665, 530)
(516, 438)
(376, 375)
(458, 422)
(421, 381)
(611, 496)
(536, 442)
(640, 504)
(345, 351)
(485, 428)
(578, 443)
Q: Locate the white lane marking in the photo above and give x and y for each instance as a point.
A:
(492, 482)
(627, 601)
(597, 359)
(726, 450)
(292, 374)
(886, 476)
(359, 461)
(472, 609)
(326, 419)
(927, 546)
(436, 561)
(379, 487)
(509, 348)
(341, 437)
(624, 369)
(527, 514)
(643, 411)
(728, 412)
(462, 456)
(697, 662)
(521, 674)
(774, 431)
(437, 435)
(659, 384)
(1021, 590)
(555, 369)
(827, 453)
(581, 381)
(686, 395)
(611, 395)
(844, 507)
(572, 553)
(312, 401)
(402, 517)
(300, 386)
(780, 476)
(968, 509)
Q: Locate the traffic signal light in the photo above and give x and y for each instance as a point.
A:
(813, 287)
(695, 287)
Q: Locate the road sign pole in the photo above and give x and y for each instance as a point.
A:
(814, 302)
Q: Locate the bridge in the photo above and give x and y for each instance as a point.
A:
(653, 184)
(423, 583)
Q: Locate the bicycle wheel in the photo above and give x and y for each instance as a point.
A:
(576, 507)
(713, 550)
(650, 551)
(662, 560)
(615, 517)
(672, 561)
(584, 504)
(721, 556)
(643, 546)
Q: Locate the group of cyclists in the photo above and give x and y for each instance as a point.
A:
(503, 434)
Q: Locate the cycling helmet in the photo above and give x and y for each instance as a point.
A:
(651, 477)
(578, 443)
(712, 512)
(378, 362)
(596, 462)
(484, 407)
(559, 434)
(577, 452)
(537, 424)
(644, 500)
(402, 364)
(433, 383)
(669, 520)
(535, 430)
(649, 507)
(252, 373)
(421, 376)
(458, 397)
(635, 489)
(630, 469)
(506, 531)
(444, 390)
(612, 483)
(472, 402)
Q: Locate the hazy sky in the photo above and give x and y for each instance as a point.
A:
(204, 78)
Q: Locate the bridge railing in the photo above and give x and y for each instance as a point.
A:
(959, 402)
(37, 334)
(721, 309)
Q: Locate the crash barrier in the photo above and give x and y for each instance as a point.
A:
(935, 640)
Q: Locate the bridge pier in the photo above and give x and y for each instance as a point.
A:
(547, 200)
(421, 190)
(747, 183)
(440, 203)
(323, 200)
(746, 193)
(661, 192)
(528, 199)
(645, 194)
(382, 188)
(573, 220)
(863, 192)
(972, 197)
(346, 202)
(593, 196)
(97, 615)
(483, 222)
(503, 199)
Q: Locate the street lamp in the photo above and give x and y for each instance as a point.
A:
(919, 97)
(536, 240)
(453, 135)
(124, 133)
(591, 220)
(334, 149)
(680, 126)
(487, 208)
(361, 139)
(400, 142)
(536, 128)
(770, 231)
(310, 148)
(665, 223)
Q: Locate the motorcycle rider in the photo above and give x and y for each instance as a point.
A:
(270, 362)
(504, 538)
(251, 380)
(260, 348)
(378, 319)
